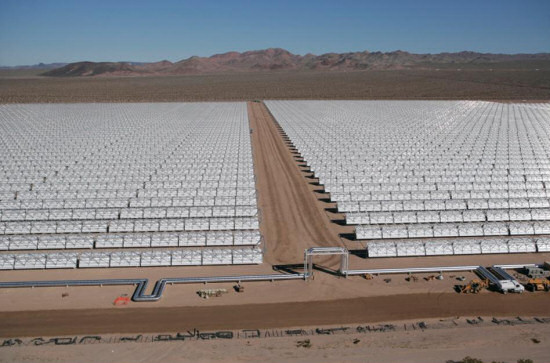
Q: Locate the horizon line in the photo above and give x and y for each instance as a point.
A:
(264, 49)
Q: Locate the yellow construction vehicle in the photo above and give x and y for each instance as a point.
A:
(473, 287)
(538, 284)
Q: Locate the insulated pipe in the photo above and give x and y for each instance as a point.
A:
(139, 293)
(430, 269)
(513, 267)
(383, 271)
(140, 296)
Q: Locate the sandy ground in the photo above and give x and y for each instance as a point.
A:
(445, 84)
(323, 287)
(429, 340)
(269, 315)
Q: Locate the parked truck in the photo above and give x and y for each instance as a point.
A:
(501, 280)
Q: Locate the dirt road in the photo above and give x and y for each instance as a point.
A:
(359, 310)
(441, 341)
(293, 219)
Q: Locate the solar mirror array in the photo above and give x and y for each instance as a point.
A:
(422, 178)
(126, 185)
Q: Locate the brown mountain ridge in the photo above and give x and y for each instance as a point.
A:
(273, 59)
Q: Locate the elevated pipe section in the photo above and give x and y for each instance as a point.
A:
(513, 267)
(139, 293)
(407, 270)
(324, 251)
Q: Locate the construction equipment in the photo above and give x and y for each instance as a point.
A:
(535, 272)
(473, 287)
(208, 293)
(538, 284)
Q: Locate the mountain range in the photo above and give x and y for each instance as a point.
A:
(274, 59)
(43, 66)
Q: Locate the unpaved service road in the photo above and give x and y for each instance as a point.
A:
(487, 342)
(256, 316)
(292, 217)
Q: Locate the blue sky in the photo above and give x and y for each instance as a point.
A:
(68, 31)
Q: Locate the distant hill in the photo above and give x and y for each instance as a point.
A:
(89, 69)
(279, 59)
(35, 66)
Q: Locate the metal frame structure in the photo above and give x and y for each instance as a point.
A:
(324, 251)
(141, 284)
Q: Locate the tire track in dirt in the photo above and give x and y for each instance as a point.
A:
(272, 315)
(292, 217)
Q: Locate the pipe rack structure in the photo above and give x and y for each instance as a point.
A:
(440, 269)
(141, 284)
(139, 294)
(324, 251)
